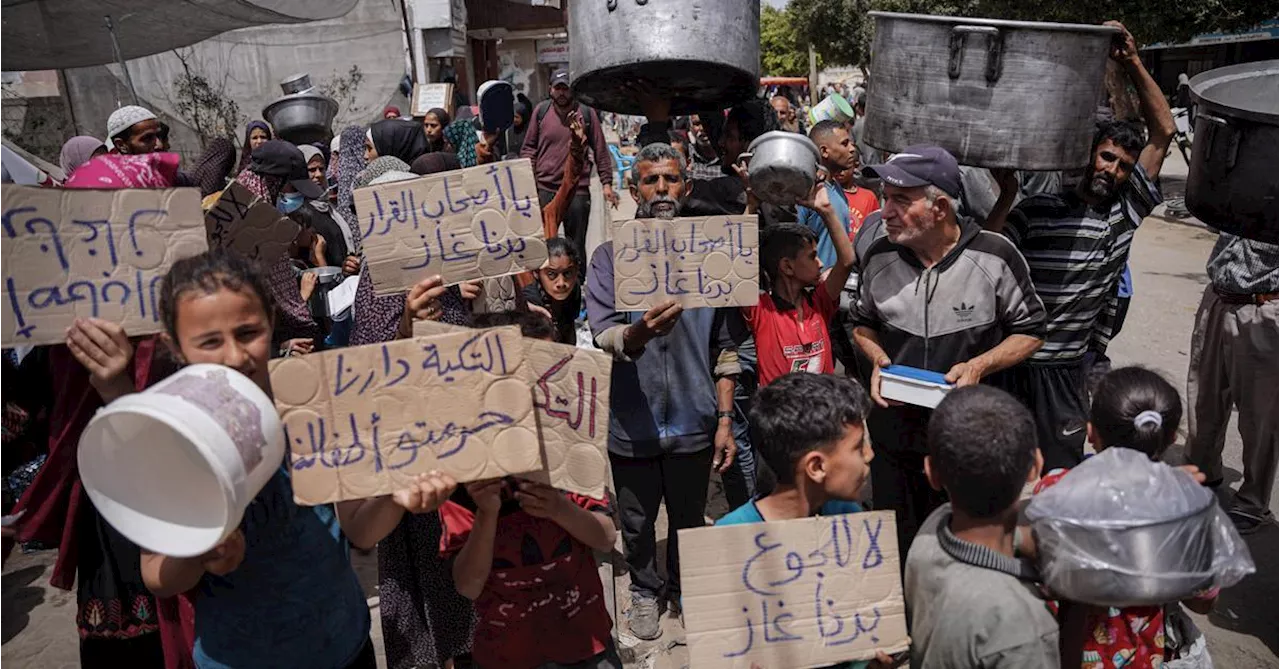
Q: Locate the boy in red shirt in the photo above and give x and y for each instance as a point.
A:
(522, 552)
(792, 322)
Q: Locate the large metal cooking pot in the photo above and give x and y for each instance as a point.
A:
(301, 115)
(783, 167)
(1016, 94)
(699, 54)
(1231, 184)
(1131, 564)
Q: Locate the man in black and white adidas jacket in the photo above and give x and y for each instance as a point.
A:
(938, 293)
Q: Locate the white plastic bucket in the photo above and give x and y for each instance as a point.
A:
(174, 467)
(832, 108)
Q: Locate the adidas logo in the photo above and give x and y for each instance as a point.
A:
(964, 312)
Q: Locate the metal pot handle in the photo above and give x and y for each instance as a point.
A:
(995, 50)
(613, 4)
(1218, 124)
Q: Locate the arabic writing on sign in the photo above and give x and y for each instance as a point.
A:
(580, 404)
(71, 254)
(484, 351)
(336, 446)
(480, 222)
(768, 620)
(700, 262)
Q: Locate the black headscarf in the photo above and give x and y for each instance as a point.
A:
(399, 139)
(432, 163)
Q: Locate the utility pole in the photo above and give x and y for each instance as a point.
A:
(813, 76)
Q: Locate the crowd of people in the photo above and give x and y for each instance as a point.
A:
(892, 259)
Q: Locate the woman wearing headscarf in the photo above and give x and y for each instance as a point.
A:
(519, 126)
(394, 137)
(77, 151)
(433, 124)
(255, 134)
(120, 623)
(332, 222)
(296, 330)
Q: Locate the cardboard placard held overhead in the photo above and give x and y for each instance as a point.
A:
(363, 421)
(571, 400)
(91, 253)
(245, 223)
(431, 96)
(710, 261)
(475, 223)
(797, 593)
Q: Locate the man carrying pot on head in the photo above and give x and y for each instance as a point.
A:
(938, 293)
(671, 400)
(1077, 243)
(547, 144)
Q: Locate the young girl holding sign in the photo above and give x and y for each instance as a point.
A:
(280, 590)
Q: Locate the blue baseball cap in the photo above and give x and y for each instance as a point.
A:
(919, 166)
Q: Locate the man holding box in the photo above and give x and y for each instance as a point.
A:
(941, 294)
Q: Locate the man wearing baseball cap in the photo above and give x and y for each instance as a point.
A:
(547, 143)
(279, 158)
(133, 130)
(937, 293)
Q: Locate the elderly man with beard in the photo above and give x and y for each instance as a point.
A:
(1076, 244)
(671, 400)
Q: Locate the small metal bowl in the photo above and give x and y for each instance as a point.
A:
(327, 274)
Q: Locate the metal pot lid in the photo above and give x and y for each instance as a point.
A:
(1000, 23)
(786, 136)
(1247, 91)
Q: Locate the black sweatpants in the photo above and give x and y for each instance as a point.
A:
(1058, 400)
(681, 480)
(898, 483)
(576, 218)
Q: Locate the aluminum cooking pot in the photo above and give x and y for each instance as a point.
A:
(1139, 564)
(783, 167)
(301, 115)
(1015, 94)
(701, 54)
(1231, 182)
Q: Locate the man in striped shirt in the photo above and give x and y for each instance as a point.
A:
(1076, 244)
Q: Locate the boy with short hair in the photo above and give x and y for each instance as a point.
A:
(792, 322)
(971, 602)
(811, 430)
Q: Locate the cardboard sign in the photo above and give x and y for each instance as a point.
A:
(699, 262)
(431, 96)
(91, 253)
(362, 422)
(248, 225)
(475, 223)
(798, 593)
(571, 400)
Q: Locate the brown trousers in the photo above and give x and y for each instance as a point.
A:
(1233, 363)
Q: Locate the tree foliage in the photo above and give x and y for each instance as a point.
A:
(783, 51)
(342, 88)
(202, 100)
(841, 31)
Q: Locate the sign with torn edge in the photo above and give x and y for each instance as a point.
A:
(245, 223)
(431, 96)
(797, 593)
(91, 253)
(362, 422)
(710, 261)
(571, 400)
(474, 223)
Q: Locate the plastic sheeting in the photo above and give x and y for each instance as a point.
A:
(1121, 530)
(54, 34)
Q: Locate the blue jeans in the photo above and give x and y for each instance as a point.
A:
(740, 480)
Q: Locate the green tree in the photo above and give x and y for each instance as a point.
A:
(783, 52)
(841, 31)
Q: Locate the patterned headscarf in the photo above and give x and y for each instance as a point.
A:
(378, 167)
(265, 186)
(113, 170)
(210, 173)
(77, 151)
(462, 135)
(350, 162)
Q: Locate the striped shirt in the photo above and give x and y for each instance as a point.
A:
(1077, 253)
